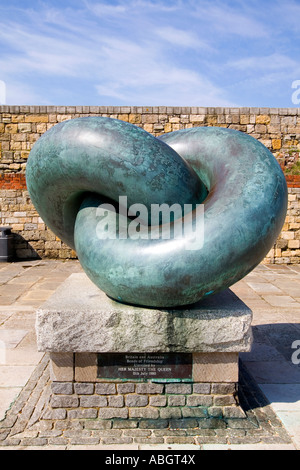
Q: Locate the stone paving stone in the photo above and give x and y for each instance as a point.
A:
(11, 337)
(212, 447)
(7, 396)
(280, 335)
(285, 301)
(262, 352)
(284, 397)
(264, 287)
(15, 376)
(291, 420)
(274, 372)
(37, 294)
(292, 289)
(9, 293)
(181, 447)
(9, 272)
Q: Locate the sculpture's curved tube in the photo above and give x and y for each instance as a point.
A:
(243, 212)
(107, 157)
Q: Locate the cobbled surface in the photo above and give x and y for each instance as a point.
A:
(26, 422)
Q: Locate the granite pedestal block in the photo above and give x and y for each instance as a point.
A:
(81, 327)
(79, 317)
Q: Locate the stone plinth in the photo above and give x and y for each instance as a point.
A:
(79, 325)
(79, 317)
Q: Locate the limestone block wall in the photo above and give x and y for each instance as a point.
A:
(20, 126)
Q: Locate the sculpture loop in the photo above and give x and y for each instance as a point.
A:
(83, 164)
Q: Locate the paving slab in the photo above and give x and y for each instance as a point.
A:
(276, 372)
(261, 352)
(264, 287)
(15, 375)
(291, 420)
(295, 268)
(7, 396)
(271, 447)
(284, 397)
(10, 338)
(281, 301)
(181, 447)
(22, 356)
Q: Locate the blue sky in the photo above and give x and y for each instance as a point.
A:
(150, 52)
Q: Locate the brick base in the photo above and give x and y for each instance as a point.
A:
(49, 428)
(159, 400)
(139, 401)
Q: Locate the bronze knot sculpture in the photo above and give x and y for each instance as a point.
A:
(84, 174)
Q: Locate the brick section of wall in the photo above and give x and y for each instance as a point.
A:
(20, 126)
(13, 181)
(293, 181)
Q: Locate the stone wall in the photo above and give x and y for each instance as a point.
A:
(287, 247)
(20, 126)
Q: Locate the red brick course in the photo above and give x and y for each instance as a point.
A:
(18, 181)
(12, 181)
(293, 181)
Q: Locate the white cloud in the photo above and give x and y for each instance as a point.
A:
(181, 38)
(227, 19)
(103, 9)
(184, 52)
(19, 93)
(270, 62)
(132, 7)
(158, 84)
(43, 53)
(288, 13)
(132, 67)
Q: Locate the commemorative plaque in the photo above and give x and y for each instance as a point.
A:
(144, 366)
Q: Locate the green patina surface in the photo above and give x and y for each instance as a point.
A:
(82, 163)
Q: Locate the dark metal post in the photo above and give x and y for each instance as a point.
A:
(6, 244)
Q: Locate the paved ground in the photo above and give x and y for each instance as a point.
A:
(270, 373)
